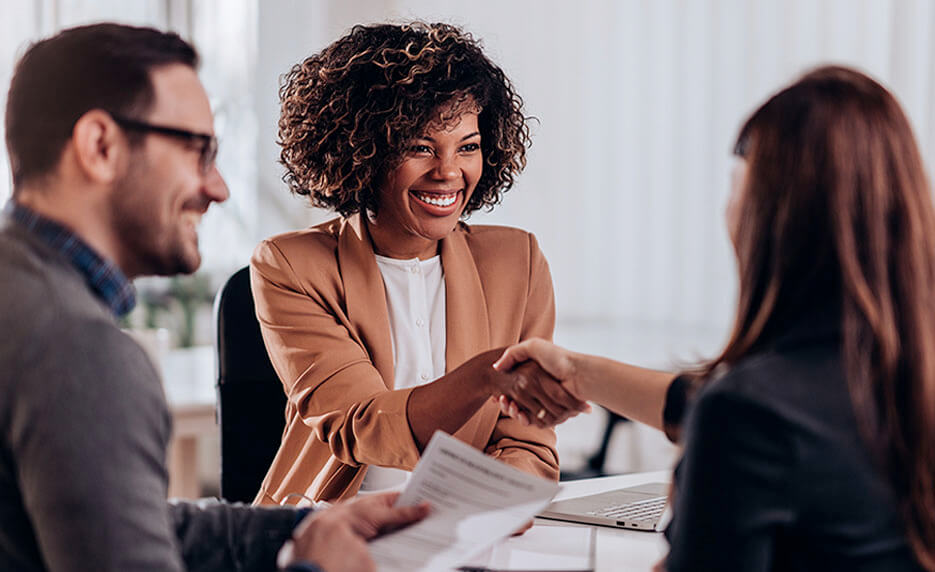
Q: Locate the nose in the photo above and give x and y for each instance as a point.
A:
(446, 168)
(215, 187)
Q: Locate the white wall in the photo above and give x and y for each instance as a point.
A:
(638, 102)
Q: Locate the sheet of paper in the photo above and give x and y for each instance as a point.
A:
(475, 501)
(544, 547)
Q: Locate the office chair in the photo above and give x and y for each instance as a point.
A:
(595, 464)
(251, 402)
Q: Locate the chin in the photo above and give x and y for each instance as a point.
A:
(438, 233)
(189, 264)
(184, 261)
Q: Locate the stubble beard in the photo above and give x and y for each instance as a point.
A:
(150, 247)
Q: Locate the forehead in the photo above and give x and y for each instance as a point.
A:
(180, 99)
(461, 122)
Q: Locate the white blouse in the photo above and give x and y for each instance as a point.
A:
(415, 300)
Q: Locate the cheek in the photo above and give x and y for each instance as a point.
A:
(389, 198)
(738, 179)
(475, 170)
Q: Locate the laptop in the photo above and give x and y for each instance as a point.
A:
(637, 508)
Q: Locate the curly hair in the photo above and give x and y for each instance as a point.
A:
(349, 112)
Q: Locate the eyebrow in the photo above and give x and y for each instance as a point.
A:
(465, 138)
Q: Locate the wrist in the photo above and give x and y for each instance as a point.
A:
(577, 380)
(491, 379)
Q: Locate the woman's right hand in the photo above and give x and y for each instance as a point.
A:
(564, 391)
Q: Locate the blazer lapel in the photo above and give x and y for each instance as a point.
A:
(365, 295)
(466, 324)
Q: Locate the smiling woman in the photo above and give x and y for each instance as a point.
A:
(382, 324)
(422, 198)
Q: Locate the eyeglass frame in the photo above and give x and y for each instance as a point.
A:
(208, 144)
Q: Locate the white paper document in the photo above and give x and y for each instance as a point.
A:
(475, 502)
(544, 547)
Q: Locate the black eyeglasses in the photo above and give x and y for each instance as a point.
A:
(206, 144)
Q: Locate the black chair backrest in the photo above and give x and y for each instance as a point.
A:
(251, 402)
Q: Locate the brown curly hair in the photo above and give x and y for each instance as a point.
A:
(349, 112)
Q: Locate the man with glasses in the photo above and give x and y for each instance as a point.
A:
(110, 137)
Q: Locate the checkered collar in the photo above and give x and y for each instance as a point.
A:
(103, 277)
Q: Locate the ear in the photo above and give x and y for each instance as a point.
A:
(100, 146)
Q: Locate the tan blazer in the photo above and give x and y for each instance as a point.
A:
(321, 304)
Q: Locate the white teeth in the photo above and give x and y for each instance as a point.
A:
(440, 201)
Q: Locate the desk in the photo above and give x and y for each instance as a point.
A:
(619, 550)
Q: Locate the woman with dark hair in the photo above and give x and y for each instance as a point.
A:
(810, 443)
(381, 323)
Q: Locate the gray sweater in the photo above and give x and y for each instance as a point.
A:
(83, 433)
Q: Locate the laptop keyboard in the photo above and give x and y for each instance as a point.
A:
(638, 510)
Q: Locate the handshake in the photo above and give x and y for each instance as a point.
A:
(540, 383)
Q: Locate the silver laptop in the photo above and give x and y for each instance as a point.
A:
(638, 508)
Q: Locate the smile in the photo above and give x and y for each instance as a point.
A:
(437, 199)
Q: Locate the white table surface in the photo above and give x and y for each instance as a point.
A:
(619, 550)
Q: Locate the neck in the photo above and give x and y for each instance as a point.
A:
(391, 245)
(77, 210)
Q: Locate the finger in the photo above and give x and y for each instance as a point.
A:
(537, 414)
(504, 402)
(530, 410)
(552, 395)
(528, 393)
(398, 517)
(387, 499)
(562, 397)
(553, 359)
(363, 504)
(524, 401)
(534, 394)
(514, 412)
(512, 356)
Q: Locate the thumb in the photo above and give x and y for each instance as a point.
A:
(394, 518)
(512, 356)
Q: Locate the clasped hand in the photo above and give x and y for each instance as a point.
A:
(539, 385)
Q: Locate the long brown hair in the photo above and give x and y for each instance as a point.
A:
(836, 208)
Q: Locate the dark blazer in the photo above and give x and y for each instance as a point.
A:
(776, 475)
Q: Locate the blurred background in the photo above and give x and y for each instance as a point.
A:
(636, 104)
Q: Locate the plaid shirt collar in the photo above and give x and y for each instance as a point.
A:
(104, 278)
